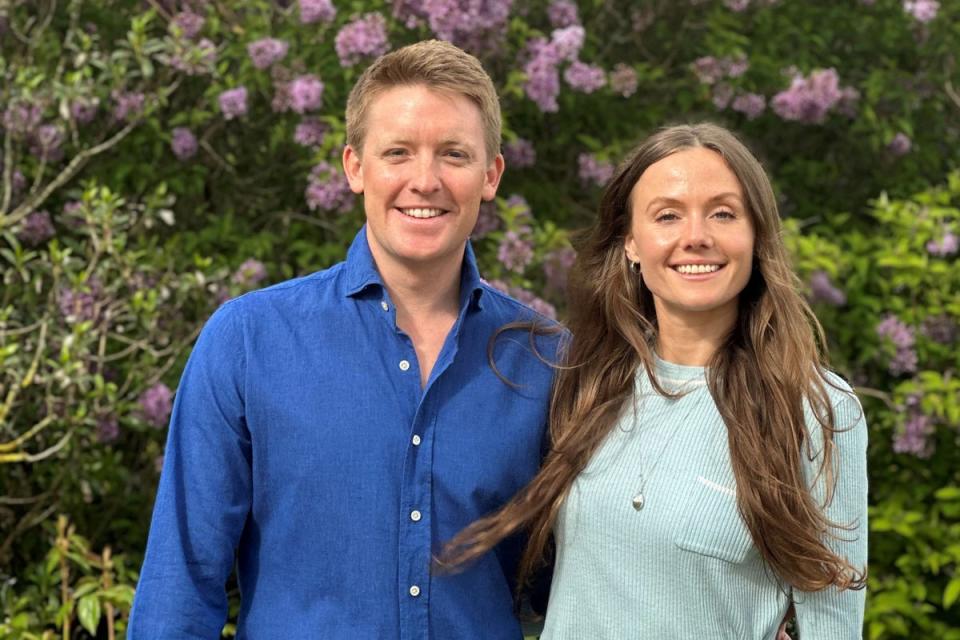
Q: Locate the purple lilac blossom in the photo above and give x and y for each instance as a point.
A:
(233, 103)
(568, 41)
(84, 110)
(36, 228)
(251, 273)
(21, 118)
(591, 169)
(195, 59)
(899, 333)
(409, 12)
(922, 10)
(623, 80)
(47, 143)
(947, 246)
(266, 51)
(708, 69)
(900, 144)
(126, 104)
(737, 5)
(562, 13)
(584, 77)
(468, 23)
(364, 37)
(155, 405)
(328, 189)
(310, 132)
(823, 290)
(306, 93)
(521, 212)
(915, 436)
(80, 304)
(810, 99)
(515, 253)
(940, 328)
(183, 143)
(519, 154)
(108, 429)
(749, 104)
(905, 358)
(316, 11)
(721, 94)
(556, 266)
(543, 81)
(487, 220)
(187, 23)
(735, 67)
(19, 181)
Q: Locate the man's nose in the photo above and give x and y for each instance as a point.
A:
(427, 175)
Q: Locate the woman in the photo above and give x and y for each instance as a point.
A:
(706, 470)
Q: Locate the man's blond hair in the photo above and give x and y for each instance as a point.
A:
(439, 66)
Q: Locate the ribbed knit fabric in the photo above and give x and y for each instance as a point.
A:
(685, 566)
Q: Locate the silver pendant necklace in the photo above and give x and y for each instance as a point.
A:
(639, 500)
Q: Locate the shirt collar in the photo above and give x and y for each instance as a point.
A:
(362, 272)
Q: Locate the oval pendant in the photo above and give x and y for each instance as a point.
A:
(638, 501)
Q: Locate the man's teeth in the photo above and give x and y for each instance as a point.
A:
(422, 213)
(690, 269)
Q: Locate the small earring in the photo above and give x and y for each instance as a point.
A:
(634, 266)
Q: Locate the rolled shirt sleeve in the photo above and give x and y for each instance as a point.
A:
(204, 494)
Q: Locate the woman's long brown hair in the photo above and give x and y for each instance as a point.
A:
(770, 366)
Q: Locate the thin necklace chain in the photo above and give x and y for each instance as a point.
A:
(639, 499)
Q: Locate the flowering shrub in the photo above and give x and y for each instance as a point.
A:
(893, 329)
(162, 156)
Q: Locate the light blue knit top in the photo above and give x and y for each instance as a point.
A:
(684, 564)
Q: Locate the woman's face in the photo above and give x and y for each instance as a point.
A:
(693, 237)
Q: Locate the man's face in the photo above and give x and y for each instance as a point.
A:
(423, 173)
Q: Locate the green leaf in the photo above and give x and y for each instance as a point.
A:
(951, 593)
(88, 611)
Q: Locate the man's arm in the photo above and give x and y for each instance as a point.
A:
(204, 493)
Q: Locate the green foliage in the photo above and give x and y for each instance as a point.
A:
(886, 268)
(146, 235)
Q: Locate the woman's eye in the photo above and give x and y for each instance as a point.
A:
(666, 216)
(725, 215)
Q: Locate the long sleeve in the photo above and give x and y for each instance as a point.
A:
(832, 614)
(204, 495)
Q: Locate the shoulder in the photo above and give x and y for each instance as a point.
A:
(849, 419)
(294, 292)
(512, 316)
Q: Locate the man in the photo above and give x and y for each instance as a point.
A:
(334, 430)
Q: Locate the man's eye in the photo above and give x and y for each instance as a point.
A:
(395, 152)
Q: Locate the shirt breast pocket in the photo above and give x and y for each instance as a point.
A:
(711, 524)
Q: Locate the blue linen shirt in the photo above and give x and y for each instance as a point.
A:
(302, 446)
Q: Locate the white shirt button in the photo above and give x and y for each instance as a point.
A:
(404, 365)
(416, 440)
(414, 591)
(384, 305)
(415, 515)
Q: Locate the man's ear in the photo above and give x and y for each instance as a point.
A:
(492, 178)
(353, 168)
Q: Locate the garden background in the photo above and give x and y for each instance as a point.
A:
(160, 157)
